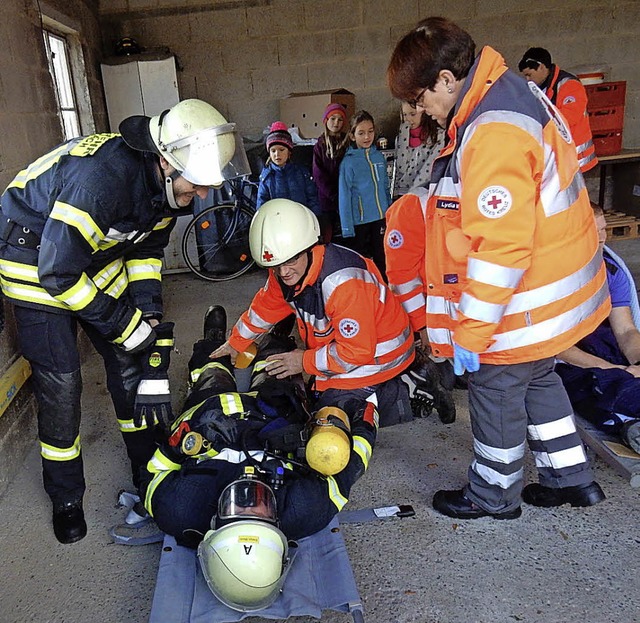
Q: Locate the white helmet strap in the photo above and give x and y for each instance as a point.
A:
(168, 187)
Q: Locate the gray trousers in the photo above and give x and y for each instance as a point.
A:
(509, 405)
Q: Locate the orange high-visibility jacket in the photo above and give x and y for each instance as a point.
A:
(512, 262)
(567, 93)
(404, 253)
(355, 331)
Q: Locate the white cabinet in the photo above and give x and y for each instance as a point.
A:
(138, 85)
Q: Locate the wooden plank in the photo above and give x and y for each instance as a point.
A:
(11, 382)
(629, 469)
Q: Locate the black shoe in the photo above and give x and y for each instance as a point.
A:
(215, 324)
(455, 504)
(69, 525)
(579, 495)
(631, 434)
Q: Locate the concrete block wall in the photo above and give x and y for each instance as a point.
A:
(29, 127)
(243, 56)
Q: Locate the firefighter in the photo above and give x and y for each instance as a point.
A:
(222, 431)
(82, 233)
(356, 334)
(566, 93)
(512, 267)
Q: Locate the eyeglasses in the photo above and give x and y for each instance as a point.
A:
(292, 261)
(418, 100)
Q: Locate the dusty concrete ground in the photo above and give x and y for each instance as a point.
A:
(553, 566)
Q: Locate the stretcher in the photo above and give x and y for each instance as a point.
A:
(320, 579)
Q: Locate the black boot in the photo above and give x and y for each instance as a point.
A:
(69, 525)
(578, 495)
(215, 324)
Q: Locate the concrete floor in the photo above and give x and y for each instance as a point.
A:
(554, 566)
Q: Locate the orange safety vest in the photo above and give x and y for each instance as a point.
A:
(512, 262)
(567, 93)
(404, 253)
(355, 331)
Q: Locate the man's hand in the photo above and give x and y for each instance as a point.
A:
(223, 351)
(283, 365)
(464, 359)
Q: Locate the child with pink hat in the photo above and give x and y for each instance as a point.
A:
(327, 155)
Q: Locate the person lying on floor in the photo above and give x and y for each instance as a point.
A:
(308, 459)
(601, 373)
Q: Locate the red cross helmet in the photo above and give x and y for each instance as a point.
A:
(280, 230)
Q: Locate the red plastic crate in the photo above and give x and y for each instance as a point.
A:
(607, 143)
(606, 94)
(610, 118)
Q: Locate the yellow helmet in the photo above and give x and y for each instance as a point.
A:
(329, 446)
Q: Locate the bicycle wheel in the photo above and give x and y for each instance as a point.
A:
(215, 243)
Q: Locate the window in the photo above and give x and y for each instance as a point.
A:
(60, 68)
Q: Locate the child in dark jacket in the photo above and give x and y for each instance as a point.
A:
(327, 155)
(364, 191)
(282, 179)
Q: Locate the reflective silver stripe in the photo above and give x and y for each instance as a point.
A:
(33, 294)
(243, 329)
(237, 456)
(335, 494)
(446, 187)
(586, 145)
(336, 279)
(440, 305)
(493, 274)
(41, 165)
(79, 220)
(552, 292)
(139, 270)
(553, 198)
(586, 160)
(510, 117)
(388, 346)
(414, 303)
(499, 455)
(51, 453)
(407, 286)
(332, 352)
(561, 458)
(322, 359)
(370, 370)
(153, 386)
(257, 321)
(551, 328)
(230, 403)
(440, 336)
(160, 463)
(476, 309)
(495, 478)
(79, 295)
(137, 337)
(23, 272)
(320, 325)
(105, 274)
(552, 430)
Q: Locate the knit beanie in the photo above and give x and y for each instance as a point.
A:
(332, 109)
(279, 135)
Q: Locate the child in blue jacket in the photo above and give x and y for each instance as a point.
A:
(283, 179)
(363, 194)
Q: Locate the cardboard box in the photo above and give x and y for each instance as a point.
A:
(304, 110)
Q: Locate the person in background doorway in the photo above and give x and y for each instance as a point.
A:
(327, 156)
(512, 267)
(364, 191)
(566, 93)
(419, 142)
(281, 178)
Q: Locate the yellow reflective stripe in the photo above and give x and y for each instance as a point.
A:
(259, 366)
(334, 493)
(42, 164)
(80, 220)
(131, 327)
(78, 296)
(116, 288)
(151, 489)
(29, 294)
(197, 373)
(160, 463)
(167, 342)
(127, 426)
(51, 453)
(363, 449)
(140, 270)
(165, 222)
(107, 273)
(16, 270)
(231, 403)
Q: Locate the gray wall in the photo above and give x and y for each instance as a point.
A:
(244, 56)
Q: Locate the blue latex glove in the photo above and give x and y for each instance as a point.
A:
(464, 359)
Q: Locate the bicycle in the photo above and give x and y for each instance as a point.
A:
(215, 243)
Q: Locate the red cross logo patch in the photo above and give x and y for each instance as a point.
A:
(348, 327)
(267, 256)
(494, 201)
(394, 239)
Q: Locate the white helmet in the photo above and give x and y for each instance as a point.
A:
(281, 229)
(194, 138)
